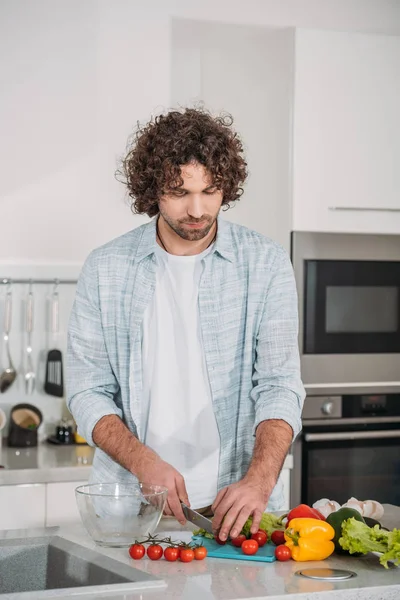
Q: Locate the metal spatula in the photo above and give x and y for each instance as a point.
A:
(54, 383)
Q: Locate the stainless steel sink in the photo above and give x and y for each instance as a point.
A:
(49, 566)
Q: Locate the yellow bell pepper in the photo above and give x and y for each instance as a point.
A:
(309, 539)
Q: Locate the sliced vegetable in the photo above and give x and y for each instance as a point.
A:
(283, 553)
(250, 547)
(358, 537)
(309, 539)
(304, 512)
(204, 533)
(269, 523)
(336, 519)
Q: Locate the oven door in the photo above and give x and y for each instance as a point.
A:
(363, 462)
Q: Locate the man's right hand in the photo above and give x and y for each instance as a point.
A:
(113, 436)
(158, 472)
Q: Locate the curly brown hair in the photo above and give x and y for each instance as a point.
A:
(152, 165)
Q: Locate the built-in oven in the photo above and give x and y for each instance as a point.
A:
(349, 311)
(349, 446)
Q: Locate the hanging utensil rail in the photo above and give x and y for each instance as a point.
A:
(32, 281)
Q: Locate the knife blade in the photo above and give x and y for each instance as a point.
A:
(197, 519)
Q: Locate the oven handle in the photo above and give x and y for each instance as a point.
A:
(351, 435)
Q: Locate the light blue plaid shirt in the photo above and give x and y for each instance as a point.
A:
(249, 323)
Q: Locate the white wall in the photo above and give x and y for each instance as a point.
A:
(76, 76)
(247, 71)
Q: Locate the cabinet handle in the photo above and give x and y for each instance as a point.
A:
(363, 209)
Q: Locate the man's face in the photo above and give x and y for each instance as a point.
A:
(191, 210)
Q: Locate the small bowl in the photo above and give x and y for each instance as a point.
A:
(117, 514)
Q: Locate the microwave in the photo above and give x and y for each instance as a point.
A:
(349, 311)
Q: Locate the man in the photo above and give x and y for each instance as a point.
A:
(183, 356)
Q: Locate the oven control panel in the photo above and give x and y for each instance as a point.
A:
(351, 407)
(322, 407)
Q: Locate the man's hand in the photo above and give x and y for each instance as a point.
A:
(113, 436)
(249, 497)
(154, 470)
(236, 503)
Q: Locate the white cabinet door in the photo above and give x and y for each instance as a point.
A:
(61, 508)
(346, 137)
(285, 476)
(22, 506)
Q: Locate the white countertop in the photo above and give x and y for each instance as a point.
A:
(219, 579)
(48, 463)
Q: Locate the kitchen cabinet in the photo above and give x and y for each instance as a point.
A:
(22, 506)
(38, 505)
(346, 132)
(61, 507)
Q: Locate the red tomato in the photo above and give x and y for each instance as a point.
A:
(200, 553)
(171, 554)
(261, 537)
(186, 555)
(137, 551)
(219, 541)
(250, 547)
(154, 552)
(282, 553)
(238, 541)
(278, 537)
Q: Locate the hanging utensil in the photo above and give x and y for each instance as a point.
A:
(9, 374)
(30, 373)
(54, 383)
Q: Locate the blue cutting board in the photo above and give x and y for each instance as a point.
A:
(264, 554)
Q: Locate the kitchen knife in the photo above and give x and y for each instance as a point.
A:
(197, 519)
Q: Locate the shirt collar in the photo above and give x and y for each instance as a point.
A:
(223, 244)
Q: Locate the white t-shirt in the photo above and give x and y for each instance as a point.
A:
(181, 425)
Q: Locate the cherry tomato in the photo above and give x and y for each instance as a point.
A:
(238, 541)
(219, 541)
(154, 552)
(261, 537)
(250, 547)
(171, 554)
(278, 537)
(186, 555)
(282, 553)
(137, 551)
(200, 553)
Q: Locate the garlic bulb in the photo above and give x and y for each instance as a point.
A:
(368, 508)
(373, 509)
(354, 503)
(326, 506)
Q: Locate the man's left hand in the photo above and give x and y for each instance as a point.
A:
(236, 503)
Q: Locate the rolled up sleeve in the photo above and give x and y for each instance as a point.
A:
(91, 383)
(278, 392)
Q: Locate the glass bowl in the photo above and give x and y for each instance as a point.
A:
(117, 514)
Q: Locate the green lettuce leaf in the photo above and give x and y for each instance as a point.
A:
(269, 523)
(203, 533)
(358, 537)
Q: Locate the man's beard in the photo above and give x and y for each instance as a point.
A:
(187, 233)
